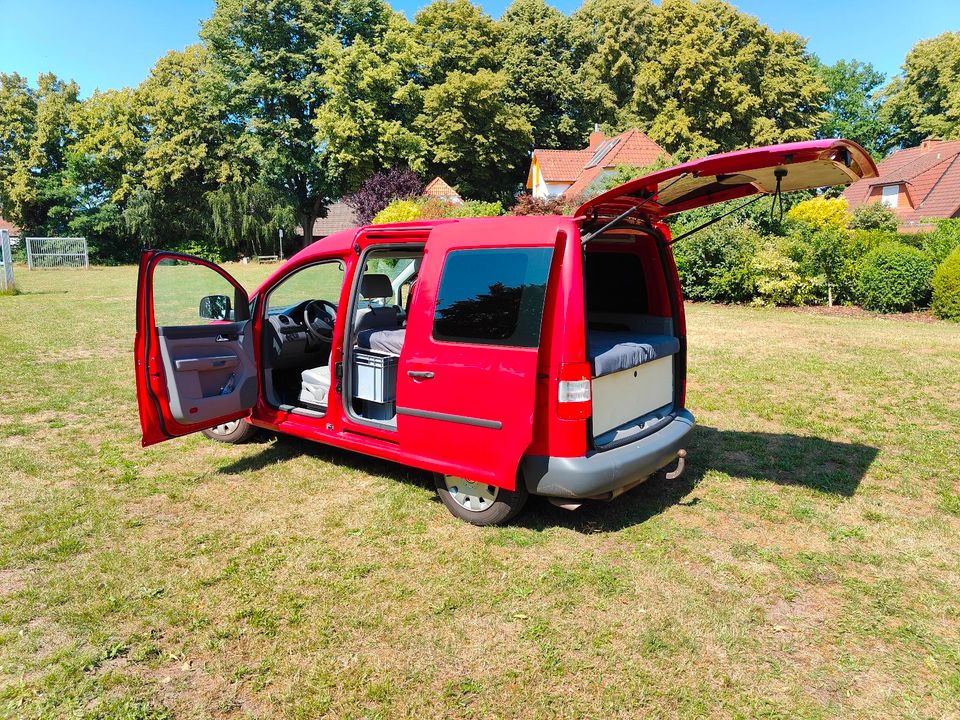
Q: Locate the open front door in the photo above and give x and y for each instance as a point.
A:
(467, 376)
(194, 347)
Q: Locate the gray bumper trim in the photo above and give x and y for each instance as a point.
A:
(603, 472)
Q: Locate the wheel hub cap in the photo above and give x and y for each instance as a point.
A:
(225, 428)
(471, 496)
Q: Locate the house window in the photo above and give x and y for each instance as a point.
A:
(890, 194)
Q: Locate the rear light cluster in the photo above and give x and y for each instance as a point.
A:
(573, 396)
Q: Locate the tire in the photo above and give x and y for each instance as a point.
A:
(234, 432)
(480, 504)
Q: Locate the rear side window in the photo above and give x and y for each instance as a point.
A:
(615, 283)
(492, 297)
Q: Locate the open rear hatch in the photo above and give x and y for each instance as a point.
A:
(637, 354)
(728, 176)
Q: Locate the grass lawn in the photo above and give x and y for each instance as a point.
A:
(806, 566)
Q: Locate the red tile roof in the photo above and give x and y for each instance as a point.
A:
(631, 147)
(9, 227)
(438, 188)
(931, 175)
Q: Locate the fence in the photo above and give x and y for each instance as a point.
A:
(56, 252)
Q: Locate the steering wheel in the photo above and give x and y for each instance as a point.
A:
(320, 317)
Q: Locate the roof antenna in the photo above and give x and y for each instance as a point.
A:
(779, 174)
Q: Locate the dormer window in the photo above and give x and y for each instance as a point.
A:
(890, 195)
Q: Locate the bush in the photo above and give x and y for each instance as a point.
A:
(529, 205)
(874, 216)
(778, 279)
(895, 278)
(820, 212)
(397, 211)
(716, 264)
(946, 288)
(942, 241)
(381, 189)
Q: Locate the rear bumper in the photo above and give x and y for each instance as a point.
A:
(599, 473)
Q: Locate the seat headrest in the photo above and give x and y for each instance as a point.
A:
(376, 285)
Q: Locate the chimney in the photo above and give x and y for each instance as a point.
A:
(596, 137)
(928, 144)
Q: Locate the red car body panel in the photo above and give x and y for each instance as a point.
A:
(507, 395)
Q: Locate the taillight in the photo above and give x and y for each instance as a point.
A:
(573, 395)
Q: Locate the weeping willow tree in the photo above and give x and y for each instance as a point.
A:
(249, 218)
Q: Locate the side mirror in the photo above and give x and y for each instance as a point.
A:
(216, 307)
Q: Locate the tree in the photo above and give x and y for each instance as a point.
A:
(611, 41)
(367, 121)
(36, 192)
(538, 62)
(381, 189)
(454, 36)
(853, 104)
(476, 136)
(716, 79)
(924, 101)
(270, 61)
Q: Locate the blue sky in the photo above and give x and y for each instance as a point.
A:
(113, 43)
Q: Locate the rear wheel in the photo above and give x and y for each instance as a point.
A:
(479, 503)
(233, 432)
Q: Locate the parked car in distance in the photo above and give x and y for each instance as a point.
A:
(509, 356)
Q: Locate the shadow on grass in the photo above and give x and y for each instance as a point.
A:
(827, 466)
(824, 465)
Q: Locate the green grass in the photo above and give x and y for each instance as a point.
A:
(806, 566)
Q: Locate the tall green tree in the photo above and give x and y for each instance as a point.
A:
(271, 60)
(716, 79)
(367, 120)
(538, 62)
(454, 36)
(924, 101)
(853, 104)
(477, 138)
(611, 41)
(36, 191)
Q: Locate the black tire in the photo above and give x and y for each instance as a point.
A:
(243, 432)
(503, 507)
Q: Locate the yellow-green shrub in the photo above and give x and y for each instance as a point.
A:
(821, 212)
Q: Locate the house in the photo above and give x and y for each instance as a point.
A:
(12, 229)
(439, 189)
(918, 184)
(340, 216)
(570, 172)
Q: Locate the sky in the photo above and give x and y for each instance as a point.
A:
(109, 44)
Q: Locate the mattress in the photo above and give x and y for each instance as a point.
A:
(612, 351)
(384, 341)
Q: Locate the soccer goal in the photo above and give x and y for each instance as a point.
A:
(57, 252)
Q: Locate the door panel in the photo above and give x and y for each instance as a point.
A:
(192, 372)
(467, 400)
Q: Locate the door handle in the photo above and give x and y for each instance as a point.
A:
(420, 374)
(225, 338)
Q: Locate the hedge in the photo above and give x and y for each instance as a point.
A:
(895, 278)
(946, 288)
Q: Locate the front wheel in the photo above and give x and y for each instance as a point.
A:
(479, 503)
(233, 432)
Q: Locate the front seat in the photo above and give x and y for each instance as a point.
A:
(315, 385)
(376, 286)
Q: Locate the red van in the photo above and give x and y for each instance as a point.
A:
(507, 355)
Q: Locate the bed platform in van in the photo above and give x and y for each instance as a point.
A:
(633, 376)
(612, 350)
